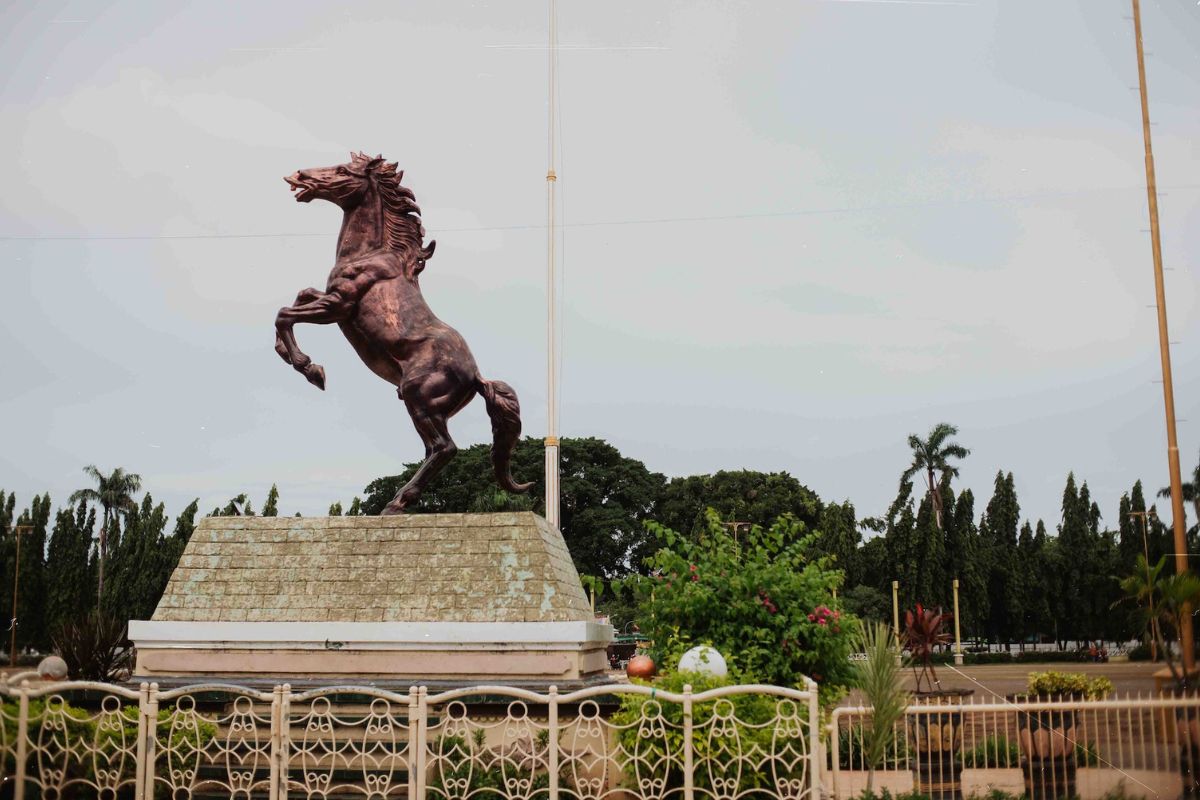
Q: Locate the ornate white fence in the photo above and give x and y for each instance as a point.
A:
(1043, 748)
(617, 741)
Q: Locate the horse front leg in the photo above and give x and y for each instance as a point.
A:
(302, 297)
(325, 309)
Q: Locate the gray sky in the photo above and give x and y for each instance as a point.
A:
(795, 233)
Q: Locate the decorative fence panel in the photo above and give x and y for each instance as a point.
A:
(1039, 747)
(494, 742)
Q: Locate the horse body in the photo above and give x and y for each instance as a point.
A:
(374, 296)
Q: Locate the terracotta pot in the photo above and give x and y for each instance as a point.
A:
(641, 667)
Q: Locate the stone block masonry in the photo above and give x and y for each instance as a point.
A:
(505, 567)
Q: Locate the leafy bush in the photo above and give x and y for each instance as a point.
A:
(852, 739)
(761, 601)
(994, 751)
(482, 769)
(1140, 652)
(753, 712)
(1075, 684)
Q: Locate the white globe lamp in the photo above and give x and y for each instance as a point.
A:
(705, 660)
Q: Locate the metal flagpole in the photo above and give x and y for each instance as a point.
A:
(1164, 347)
(552, 495)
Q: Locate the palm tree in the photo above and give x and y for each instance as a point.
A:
(114, 494)
(1191, 493)
(1140, 586)
(931, 456)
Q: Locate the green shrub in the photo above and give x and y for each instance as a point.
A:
(761, 601)
(1140, 652)
(753, 713)
(1075, 684)
(896, 758)
(474, 762)
(994, 751)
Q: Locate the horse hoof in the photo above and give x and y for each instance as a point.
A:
(315, 375)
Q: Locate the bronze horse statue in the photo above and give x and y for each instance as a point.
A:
(374, 297)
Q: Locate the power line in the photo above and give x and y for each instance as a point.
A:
(604, 223)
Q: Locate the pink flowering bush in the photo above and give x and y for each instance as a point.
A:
(762, 601)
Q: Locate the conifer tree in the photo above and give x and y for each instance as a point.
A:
(271, 507)
(998, 532)
(355, 509)
(335, 510)
(69, 586)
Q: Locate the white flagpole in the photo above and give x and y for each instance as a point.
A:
(552, 492)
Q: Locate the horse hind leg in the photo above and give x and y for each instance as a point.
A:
(439, 449)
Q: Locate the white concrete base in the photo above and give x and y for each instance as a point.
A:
(852, 782)
(1093, 783)
(511, 651)
(979, 782)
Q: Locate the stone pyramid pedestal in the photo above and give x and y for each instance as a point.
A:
(434, 599)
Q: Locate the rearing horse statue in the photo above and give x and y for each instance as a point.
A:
(374, 297)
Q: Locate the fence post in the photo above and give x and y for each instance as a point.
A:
(139, 780)
(835, 761)
(276, 735)
(412, 743)
(285, 740)
(552, 743)
(814, 737)
(151, 739)
(22, 740)
(422, 748)
(689, 783)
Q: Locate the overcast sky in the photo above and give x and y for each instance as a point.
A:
(795, 232)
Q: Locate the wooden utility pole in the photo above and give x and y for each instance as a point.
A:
(1187, 642)
(12, 625)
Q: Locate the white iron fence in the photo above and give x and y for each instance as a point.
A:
(1039, 747)
(619, 741)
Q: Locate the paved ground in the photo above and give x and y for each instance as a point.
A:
(1005, 679)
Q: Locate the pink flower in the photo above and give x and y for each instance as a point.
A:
(812, 618)
(695, 577)
(821, 622)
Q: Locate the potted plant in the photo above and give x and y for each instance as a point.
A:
(1048, 737)
(878, 678)
(936, 735)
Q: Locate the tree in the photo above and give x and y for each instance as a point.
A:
(998, 531)
(114, 494)
(32, 587)
(605, 497)
(1191, 492)
(335, 510)
(236, 507)
(965, 560)
(69, 595)
(141, 564)
(271, 507)
(932, 455)
(840, 539)
(758, 498)
(878, 678)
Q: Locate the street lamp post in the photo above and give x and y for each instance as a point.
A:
(958, 655)
(12, 625)
(896, 615)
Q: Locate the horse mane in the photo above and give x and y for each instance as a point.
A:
(402, 228)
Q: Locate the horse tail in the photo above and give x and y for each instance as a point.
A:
(505, 412)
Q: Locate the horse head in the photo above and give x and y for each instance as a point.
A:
(348, 185)
(344, 185)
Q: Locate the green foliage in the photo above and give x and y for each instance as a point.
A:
(760, 600)
(878, 678)
(271, 507)
(1075, 684)
(852, 746)
(479, 768)
(994, 751)
(605, 497)
(868, 603)
(758, 498)
(71, 592)
(753, 712)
